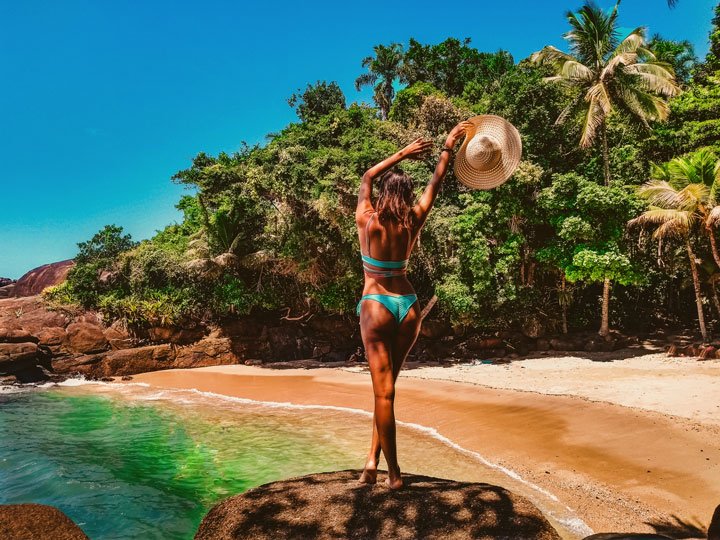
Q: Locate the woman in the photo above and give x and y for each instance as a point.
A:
(389, 310)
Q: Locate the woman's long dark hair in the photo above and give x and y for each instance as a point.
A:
(396, 197)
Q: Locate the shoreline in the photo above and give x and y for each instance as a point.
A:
(618, 468)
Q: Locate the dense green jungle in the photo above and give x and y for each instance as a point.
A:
(609, 222)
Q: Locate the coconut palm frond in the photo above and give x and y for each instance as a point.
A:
(643, 105)
(635, 40)
(671, 229)
(713, 217)
(624, 59)
(366, 79)
(551, 55)
(660, 194)
(593, 120)
(693, 195)
(654, 77)
(574, 70)
(660, 216)
(660, 172)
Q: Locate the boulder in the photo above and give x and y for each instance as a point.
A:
(38, 279)
(30, 314)
(477, 343)
(17, 357)
(333, 505)
(16, 335)
(118, 337)
(138, 360)
(52, 337)
(243, 328)
(206, 352)
(175, 334)
(84, 337)
(30, 521)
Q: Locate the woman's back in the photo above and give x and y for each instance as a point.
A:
(385, 240)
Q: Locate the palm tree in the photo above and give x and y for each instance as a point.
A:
(383, 69)
(608, 73)
(682, 197)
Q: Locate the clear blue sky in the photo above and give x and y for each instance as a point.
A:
(101, 102)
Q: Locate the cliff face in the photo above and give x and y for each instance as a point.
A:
(334, 505)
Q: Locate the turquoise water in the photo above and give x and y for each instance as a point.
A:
(127, 461)
(133, 469)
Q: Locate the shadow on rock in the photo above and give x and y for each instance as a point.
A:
(334, 505)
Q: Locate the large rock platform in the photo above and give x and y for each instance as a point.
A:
(333, 505)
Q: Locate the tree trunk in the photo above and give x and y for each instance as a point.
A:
(564, 307)
(716, 300)
(698, 293)
(713, 245)
(605, 153)
(605, 324)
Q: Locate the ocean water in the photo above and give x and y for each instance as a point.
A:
(126, 461)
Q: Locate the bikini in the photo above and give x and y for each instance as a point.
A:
(397, 305)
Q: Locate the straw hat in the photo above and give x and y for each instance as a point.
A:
(489, 154)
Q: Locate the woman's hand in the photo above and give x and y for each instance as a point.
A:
(416, 149)
(457, 132)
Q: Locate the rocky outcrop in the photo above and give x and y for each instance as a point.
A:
(42, 277)
(84, 337)
(30, 521)
(333, 505)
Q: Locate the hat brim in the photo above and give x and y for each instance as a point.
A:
(510, 153)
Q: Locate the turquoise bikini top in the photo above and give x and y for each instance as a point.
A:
(394, 268)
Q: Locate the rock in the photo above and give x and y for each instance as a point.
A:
(174, 334)
(542, 345)
(707, 352)
(42, 277)
(8, 379)
(83, 364)
(282, 342)
(16, 335)
(31, 521)
(476, 343)
(206, 352)
(83, 337)
(17, 357)
(126, 378)
(333, 326)
(138, 360)
(243, 328)
(51, 336)
(434, 329)
(566, 344)
(30, 314)
(6, 281)
(333, 505)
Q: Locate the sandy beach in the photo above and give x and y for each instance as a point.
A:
(629, 445)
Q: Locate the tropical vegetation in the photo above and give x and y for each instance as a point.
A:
(621, 137)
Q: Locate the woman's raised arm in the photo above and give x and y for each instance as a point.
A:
(414, 150)
(425, 204)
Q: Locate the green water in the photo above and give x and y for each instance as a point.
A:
(133, 469)
(126, 461)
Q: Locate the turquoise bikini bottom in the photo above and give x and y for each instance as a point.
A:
(397, 305)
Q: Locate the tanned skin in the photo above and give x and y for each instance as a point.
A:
(387, 344)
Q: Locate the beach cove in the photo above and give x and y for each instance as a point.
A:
(615, 467)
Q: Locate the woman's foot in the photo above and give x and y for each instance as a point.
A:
(394, 481)
(369, 474)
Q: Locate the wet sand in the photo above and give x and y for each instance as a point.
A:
(618, 468)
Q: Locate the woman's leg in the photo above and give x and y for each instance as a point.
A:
(404, 341)
(401, 342)
(377, 328)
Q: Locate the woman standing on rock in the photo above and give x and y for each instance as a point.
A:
(390, 315)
